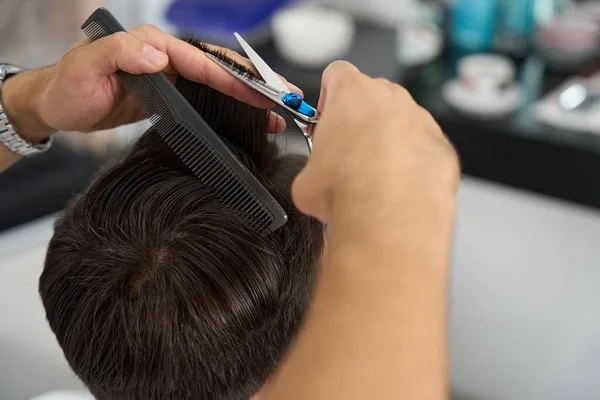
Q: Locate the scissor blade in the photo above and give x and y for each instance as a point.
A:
(263, 69)
(265, 89)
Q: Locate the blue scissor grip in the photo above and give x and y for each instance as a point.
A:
(294, 100)
(306, 109)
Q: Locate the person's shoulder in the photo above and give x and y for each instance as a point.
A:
(65, 395)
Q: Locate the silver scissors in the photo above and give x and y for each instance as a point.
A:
(303, 115)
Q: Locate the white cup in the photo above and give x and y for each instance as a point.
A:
(486, 75)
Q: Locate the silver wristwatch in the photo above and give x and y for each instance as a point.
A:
(8, 135)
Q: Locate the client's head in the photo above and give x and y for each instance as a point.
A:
(156, 290)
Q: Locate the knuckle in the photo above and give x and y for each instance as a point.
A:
(68, 65)
(401, 90)
(64, 59)
(428, 118)
(447, 162)
(354, 76)
(424, 113)
(350, 80)
(119, 40)
(338, 64)
(342, 68)
(119, 36)
(448, 149)
(143, 30)
(297, 192)
(453, 163)
(453, 154)
(149, 27)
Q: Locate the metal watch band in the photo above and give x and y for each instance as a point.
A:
(8, 135)
(15, 143)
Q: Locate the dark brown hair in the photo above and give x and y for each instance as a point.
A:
(156, 290)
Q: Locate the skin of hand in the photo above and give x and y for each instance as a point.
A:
(385, 177)
(374, 147)
(81, 93)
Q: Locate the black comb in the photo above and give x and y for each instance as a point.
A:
(192, 139)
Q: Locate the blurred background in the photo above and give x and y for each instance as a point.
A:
(514, 83)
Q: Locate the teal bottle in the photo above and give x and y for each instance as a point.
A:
(472, 24)
(514, 27)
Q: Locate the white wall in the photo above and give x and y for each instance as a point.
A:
(135, 12)
(524, 294)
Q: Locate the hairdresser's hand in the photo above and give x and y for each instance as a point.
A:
(80, 92)
(376, 152)
(384, 175)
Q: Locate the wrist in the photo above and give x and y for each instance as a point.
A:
(20, 97)
(422, 222)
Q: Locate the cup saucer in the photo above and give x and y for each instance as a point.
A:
(506, 102)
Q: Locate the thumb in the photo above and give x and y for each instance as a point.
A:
(333, 72)
(119, 51)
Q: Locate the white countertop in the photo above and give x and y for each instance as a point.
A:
(31, 362)
(524, 296)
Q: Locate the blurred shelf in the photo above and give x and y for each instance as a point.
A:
(514, 150)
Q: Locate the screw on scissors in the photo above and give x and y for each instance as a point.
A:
(303, 115)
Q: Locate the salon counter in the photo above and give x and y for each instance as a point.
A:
(514, 150)
(524, 321)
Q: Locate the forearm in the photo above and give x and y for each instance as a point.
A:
(20, 96)
(377, 326)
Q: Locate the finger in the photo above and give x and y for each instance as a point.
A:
(234, 55)
(335, 70)
(119, 51)
(194, 65)
(310, 195)
(276, 123)
(248, 64)
(81, 43)
(291, 86)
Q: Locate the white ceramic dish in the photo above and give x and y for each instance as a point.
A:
(417, 45)
(568, 40)
(312, 36)
(486, 74)
(463, 100)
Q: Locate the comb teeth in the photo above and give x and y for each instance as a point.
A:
(94, 31)
(206, 156)
(206, 164)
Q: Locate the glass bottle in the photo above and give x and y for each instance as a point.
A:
(514, 27)
(472, 24)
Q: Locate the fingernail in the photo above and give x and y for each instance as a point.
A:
(154, 57)
(294, 88)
